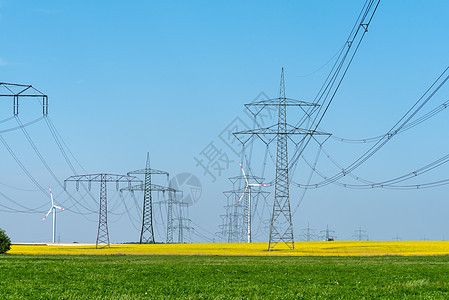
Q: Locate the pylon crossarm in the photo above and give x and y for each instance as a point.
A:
(153, 187)
(288, 102)
(235, 179)
(148, 171)
(256, 107)
(107, 177)
(18, 91)
(270, 134)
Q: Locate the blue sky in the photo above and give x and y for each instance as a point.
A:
(168, 77)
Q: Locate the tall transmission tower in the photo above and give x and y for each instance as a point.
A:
(361, 235)
(147, 233)
(103, 179)
(158, 188)
(170, 221)
(281, 229)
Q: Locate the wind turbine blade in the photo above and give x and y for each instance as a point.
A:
(241, 196)
(58, 207)
(244, 175)
(51, 195)
(47, 214)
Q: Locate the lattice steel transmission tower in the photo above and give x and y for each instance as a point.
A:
(183, 223)
(147, 233)
(171, 203)
(235, 222)
(308, 234)
(361, 235)
(103, 179)
(229, 227)
(327, 234)
(281, 229)
(233, 226)
(164, 189)
(397, 238)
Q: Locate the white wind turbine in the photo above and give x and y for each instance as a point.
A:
(248, 188)
(53, 207)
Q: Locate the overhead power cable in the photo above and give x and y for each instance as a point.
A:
(19, 127)
(328, 90)
(404, 120)
(391, 183)
(27, 209)
(6, 120)
(22, 166)
(60, 143)
(418, 121)
(41, 158)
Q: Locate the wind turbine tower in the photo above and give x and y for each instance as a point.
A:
(248, 188)
(53, 208)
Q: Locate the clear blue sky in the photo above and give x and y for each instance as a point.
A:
(168, 76)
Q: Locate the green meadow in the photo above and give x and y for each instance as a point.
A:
(222, 277)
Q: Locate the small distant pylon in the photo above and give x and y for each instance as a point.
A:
(236, 219)
(397, 238)
(327, 234)
(308, 234)
(361, 235)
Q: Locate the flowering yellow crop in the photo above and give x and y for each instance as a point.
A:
(245, 249)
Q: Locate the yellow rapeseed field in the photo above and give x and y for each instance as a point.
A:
(244, 249)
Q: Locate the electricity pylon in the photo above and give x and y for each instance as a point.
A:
(158, 188)
(397, 238)
(236, 219)
(327, 234)
(103, 233)
(361, 235)
(308, 233)
(281, 229)
(183, 223)
(232, 226)
(147, 233)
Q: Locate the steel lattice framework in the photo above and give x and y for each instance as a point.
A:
(17, 91)
(103, 179)
(281, 228)
(147, 233)
(159, 188)
(231, 227)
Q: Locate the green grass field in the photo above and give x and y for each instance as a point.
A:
(205, 277)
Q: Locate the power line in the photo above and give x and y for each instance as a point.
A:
(418, 121)
(430, 92)
(391, 183)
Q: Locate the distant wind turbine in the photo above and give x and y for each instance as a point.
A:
(53, 207)
(248, 188)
